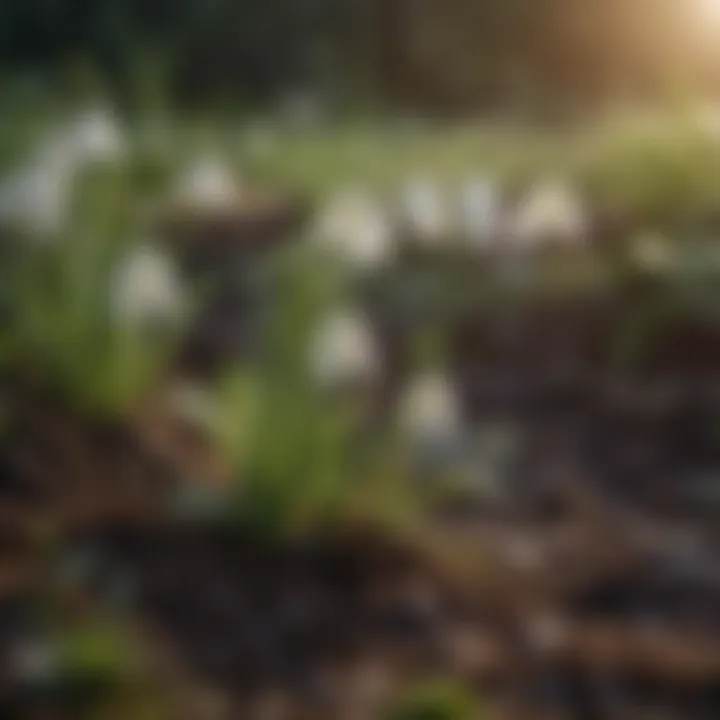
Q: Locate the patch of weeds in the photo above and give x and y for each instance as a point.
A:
(662, 307)
(80, 667)
(435, 700)
(62, 334)
(656, 176)
(306, 458)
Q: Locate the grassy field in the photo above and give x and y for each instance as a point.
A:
(299, 459)
(644, 163)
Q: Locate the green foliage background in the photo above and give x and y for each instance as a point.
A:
(445, 54)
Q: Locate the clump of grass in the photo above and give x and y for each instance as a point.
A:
(60, 334)
(661, 182)
(658, 169)
(306, 459)
(382, 156)
(86, 666)
(96, 652)
(436, 700)
(670, 305)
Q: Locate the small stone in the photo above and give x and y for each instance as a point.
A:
(653, 253)
(34, 661)
(522, 553)
(371, 685)
(473, 652)
(547, 632)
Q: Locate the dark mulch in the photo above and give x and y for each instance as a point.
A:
(593, 593)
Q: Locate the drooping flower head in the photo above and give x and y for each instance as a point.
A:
(208, 184)
(429, 410)
(551, 212)
(479, 209)
(355, 228)
(147, 291)
(345, 350)
(425, 211)
(36, 199)
(97, 136)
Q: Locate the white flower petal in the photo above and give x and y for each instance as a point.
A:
(345, 351)
(147, 289)
(98, 136)
(479, 211)
(425, 211)
(429, 410)
(356, 229)
(209, 184)
(550, 212)
(36, 198)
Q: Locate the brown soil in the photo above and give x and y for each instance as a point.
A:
(593, 593)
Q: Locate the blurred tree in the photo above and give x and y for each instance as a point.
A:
(449, 54)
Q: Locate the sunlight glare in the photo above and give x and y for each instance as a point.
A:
(709, 11)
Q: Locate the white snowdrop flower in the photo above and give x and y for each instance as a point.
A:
(98, 136)
(550, 212)
(345, 351)
(147, 290)
(34, 202)
(357, 230)
(479, 211)
(209, 184)
(425, 211)
(652, 252)
(429, 410)
(36, 198)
